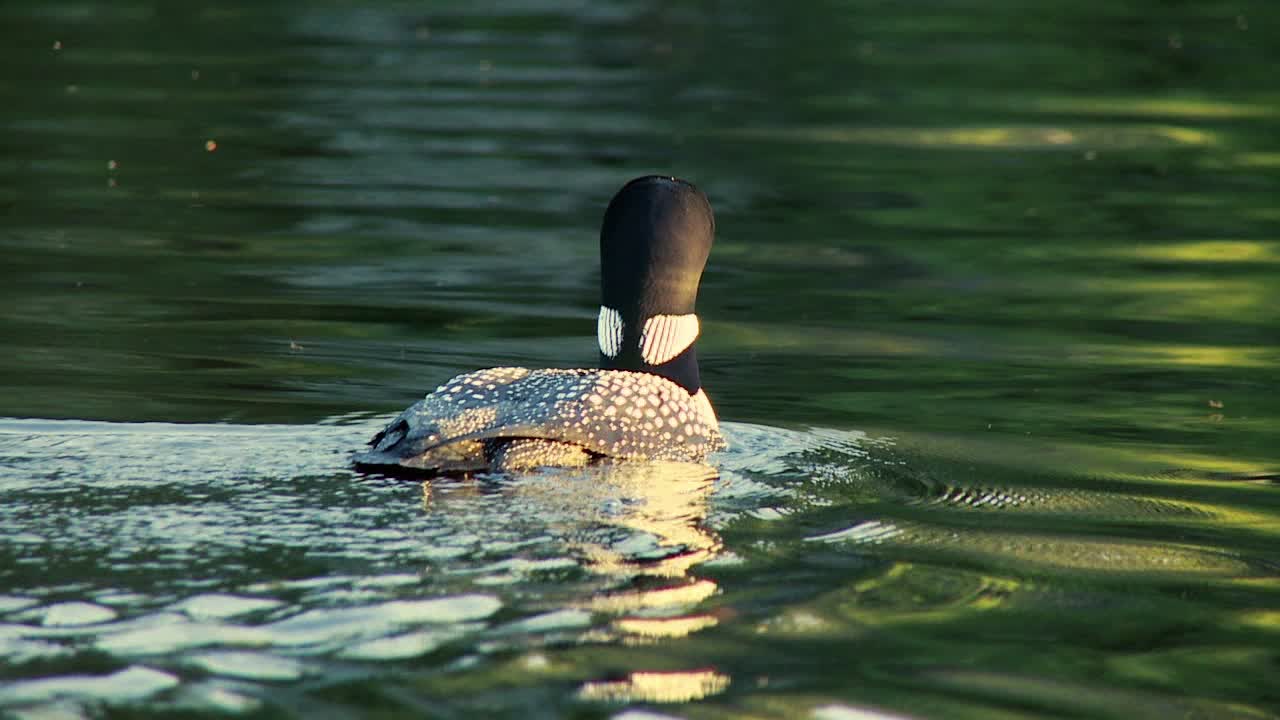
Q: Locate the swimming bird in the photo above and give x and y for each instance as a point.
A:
(644, 402)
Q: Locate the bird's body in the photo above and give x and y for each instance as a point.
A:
(645, 402)
(515, 418)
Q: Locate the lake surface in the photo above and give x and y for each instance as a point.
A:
(991, 324)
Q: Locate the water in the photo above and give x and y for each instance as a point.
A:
(990, 322)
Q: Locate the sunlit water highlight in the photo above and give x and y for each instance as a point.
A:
(126, 543)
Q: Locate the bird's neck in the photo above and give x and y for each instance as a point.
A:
(663, 345)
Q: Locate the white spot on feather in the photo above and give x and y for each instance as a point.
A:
(701, 402)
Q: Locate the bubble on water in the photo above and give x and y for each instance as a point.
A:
(658, 686)
(17, 650)
(220, 606)
(643, 715)
(394, 580)
(216, 695)
(76, 613)
(10, 603)
(248, 665)
(409, 645)
(846, 712)
(129, 685)
(570, 619)
(57, 710)
(326, 627)
(170, 636)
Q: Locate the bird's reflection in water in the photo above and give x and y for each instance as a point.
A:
(639, 526)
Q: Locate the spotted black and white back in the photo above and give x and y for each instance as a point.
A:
(606, 413)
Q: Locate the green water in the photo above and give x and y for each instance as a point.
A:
(990, 323)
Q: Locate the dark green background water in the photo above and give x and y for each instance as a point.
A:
(991, 321)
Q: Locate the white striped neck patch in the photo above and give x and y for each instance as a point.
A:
(666, 336)
(609, 331)
(661, 340)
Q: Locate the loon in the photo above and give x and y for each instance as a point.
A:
(644, 402)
